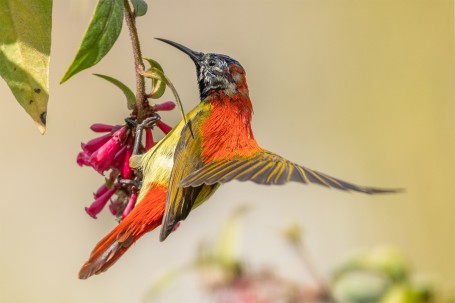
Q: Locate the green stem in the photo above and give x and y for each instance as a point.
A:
(141, 98)
(305, 257)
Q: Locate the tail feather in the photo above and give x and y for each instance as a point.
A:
(145, 217)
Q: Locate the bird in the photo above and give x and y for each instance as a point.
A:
(212, 145)
(217, 144)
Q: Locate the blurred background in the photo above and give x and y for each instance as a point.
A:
(361, 90)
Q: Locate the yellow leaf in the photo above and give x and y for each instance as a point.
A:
(25, 40)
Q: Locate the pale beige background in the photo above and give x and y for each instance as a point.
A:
(362, 90)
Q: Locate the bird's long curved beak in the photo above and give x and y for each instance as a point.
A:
(195, 56)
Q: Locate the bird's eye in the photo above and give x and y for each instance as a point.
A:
(212, 62)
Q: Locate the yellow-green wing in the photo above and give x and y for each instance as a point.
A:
(268, 168)
(187, 159)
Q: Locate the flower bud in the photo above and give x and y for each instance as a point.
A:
(165, 106)
(101, 128)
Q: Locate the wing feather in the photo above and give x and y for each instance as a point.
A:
(299, 174)
(233, 173)
(222, 171)
(216, 167)
(268, 168)
(248, 173)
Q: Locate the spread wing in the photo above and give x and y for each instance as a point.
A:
(180, 200)
(268, 168)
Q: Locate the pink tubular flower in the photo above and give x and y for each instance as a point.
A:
(165, 106)
(131, 203)
(117, 205)
(118, 159)
(95, 144)
(163, 126)
(102, 158)
(101, 191)
(126, 171)
(112, 209)
(82, 159)
(97, 206)
(110, 154)
(148, 139)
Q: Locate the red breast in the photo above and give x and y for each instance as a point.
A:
(227, 131)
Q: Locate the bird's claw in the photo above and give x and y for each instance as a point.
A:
(150, 121)
(135, 183)
(131, 122)
(147, 122)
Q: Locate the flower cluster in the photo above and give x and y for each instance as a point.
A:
(110, 154)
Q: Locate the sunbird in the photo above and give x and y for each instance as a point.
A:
(215, 145)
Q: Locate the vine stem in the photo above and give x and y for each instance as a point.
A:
(141, 98)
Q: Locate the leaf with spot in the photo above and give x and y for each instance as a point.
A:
(130, 98)
(25, 42)
(102, 32)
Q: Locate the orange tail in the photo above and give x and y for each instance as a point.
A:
(144, 218)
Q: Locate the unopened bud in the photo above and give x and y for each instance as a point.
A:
(168, 105)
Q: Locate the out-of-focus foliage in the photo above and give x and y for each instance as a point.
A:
(227, 279)
(407, 293)
(293, 233)
(386, 261)
(380, 275)
(216, 264)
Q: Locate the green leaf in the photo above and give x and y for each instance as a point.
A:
(158, 86)
(25, 42)
(130, 98)
(102, 32)
(140, 7)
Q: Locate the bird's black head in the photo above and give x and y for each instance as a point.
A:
(215, 72)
